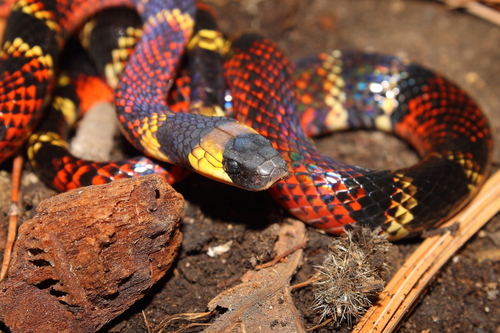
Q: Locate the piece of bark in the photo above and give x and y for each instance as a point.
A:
(89, 254)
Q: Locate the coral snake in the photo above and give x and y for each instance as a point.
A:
(270, 94)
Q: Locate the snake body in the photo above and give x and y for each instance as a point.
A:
(109, 38)
(444, 125)
(217, 147)
(334, 90)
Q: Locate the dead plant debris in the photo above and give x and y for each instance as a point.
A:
(351, 275)
(262, 302)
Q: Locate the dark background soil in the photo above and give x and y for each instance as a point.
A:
(465, 295)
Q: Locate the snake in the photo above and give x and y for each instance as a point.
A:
(217, 147)
(109, 38)
(285, 103)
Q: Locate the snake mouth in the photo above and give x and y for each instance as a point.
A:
(252, 163)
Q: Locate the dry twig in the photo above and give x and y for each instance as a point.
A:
(477, 8)
(17, 170)
(168, 320)
(280, 256)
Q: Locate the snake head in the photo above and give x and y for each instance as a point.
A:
(252, 163)
(220, 148)
(229, 152)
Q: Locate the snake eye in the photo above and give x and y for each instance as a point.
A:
(232, 167)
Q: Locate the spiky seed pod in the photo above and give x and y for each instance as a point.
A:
(351, 274)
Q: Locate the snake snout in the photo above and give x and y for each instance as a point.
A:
(252, 163)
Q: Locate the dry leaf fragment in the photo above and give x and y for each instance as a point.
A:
(262, 303)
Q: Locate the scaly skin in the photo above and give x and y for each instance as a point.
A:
(352, 90)
(437, 118)
(216, 147)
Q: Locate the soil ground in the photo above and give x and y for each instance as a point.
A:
(464, 296)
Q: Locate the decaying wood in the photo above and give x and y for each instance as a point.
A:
(89, 254)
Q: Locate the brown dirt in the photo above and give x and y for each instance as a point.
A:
(465, 295)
